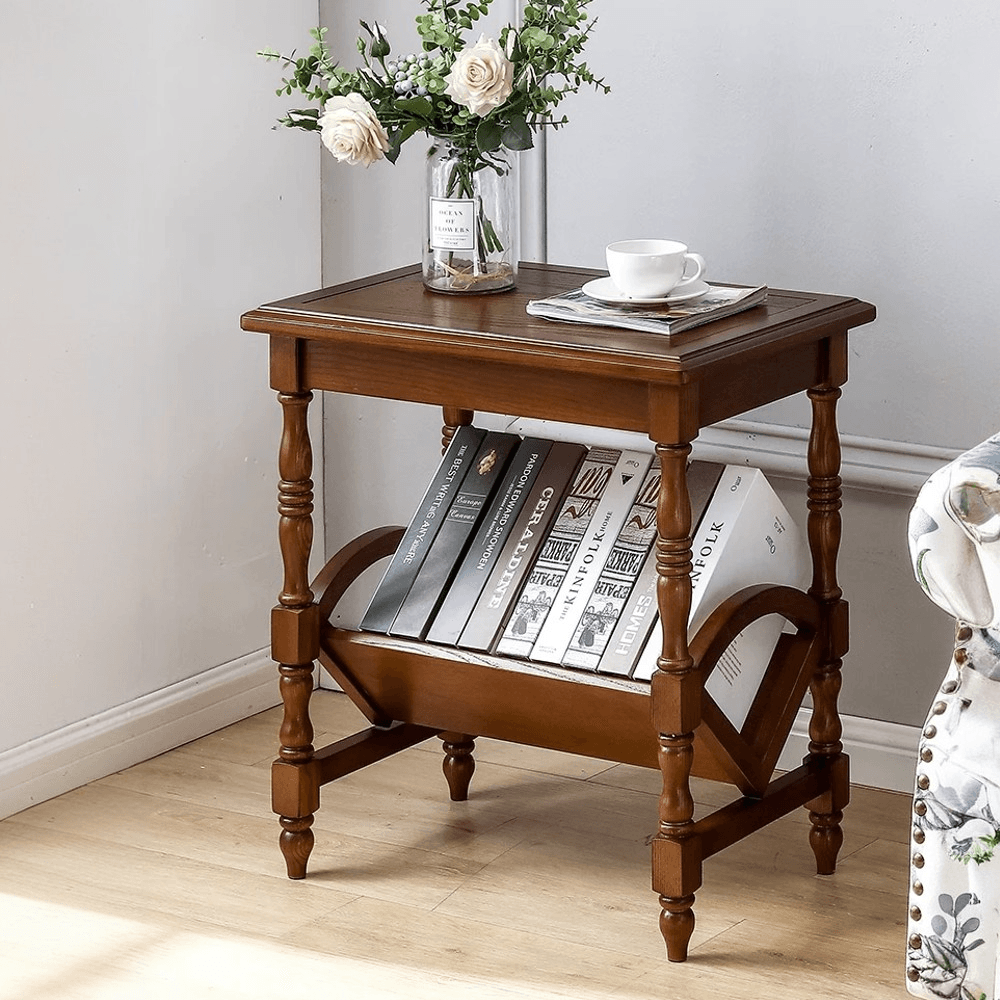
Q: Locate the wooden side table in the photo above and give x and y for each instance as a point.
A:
(385, 336)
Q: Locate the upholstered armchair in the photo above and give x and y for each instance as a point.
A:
(954, 923)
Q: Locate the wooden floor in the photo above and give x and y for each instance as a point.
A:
(165, 881)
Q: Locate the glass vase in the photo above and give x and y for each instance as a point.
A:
(471, 220)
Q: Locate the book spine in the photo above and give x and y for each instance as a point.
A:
(409, 556)
(578, 584)
(617, 577)
(479, 561)
(491, 612)
(635, 624)
(556, 552)
(468, 506)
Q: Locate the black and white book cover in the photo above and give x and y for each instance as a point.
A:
(639, 615)
(595, 545)
(556, 553)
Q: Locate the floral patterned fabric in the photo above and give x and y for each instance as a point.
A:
(954, 906)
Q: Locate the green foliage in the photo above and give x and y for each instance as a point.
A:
(407, 92)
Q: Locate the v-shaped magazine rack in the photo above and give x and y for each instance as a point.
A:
(386, 336)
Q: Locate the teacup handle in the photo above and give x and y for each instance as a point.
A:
(689, 279)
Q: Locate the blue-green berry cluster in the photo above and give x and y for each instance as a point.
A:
(409, 74)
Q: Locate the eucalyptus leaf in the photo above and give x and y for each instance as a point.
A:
(517, 135)
(489, 136)
(419, 106)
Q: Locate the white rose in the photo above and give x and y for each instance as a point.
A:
(481, 78)
(351, 131)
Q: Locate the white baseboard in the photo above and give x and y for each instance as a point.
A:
(128, 734)
(883, 754)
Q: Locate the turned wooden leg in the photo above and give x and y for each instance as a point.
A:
(453, 419)
(295, 640)
(677, 925)
(825, 729)
(459, 765)
(676, 709)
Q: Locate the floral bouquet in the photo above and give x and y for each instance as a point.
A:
(481, 102)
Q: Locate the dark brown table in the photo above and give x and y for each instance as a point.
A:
(386, 336)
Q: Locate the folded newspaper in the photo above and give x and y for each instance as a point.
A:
(720, 301)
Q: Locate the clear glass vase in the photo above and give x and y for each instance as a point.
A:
(471, 220)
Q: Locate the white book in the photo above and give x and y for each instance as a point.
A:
(746, 537)
(590, 556)
(617, 577)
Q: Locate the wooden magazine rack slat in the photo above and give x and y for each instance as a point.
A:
(386, 336)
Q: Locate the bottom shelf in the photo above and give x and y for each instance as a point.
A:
(514, 700)
(461, 691)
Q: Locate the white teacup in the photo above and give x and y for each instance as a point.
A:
(651, 269)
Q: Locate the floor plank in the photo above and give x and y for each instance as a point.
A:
(165, 881)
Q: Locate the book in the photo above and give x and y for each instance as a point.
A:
(577, 586)
(468, 505)
(639, 613)
(556, 552)
(491, 613)
(617, 577)
(471, 576)
(720, 301)
(409, 556)
(746, 536)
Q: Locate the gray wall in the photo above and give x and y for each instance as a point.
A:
(145, 203)
(848, 148)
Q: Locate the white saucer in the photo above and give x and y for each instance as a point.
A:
(605, 290)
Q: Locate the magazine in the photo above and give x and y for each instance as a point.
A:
(720, 301)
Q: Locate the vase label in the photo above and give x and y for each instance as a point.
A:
(453, 224)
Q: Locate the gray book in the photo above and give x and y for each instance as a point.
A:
(498, 598)
(468, 506)
(472, 575)
(412, 550)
